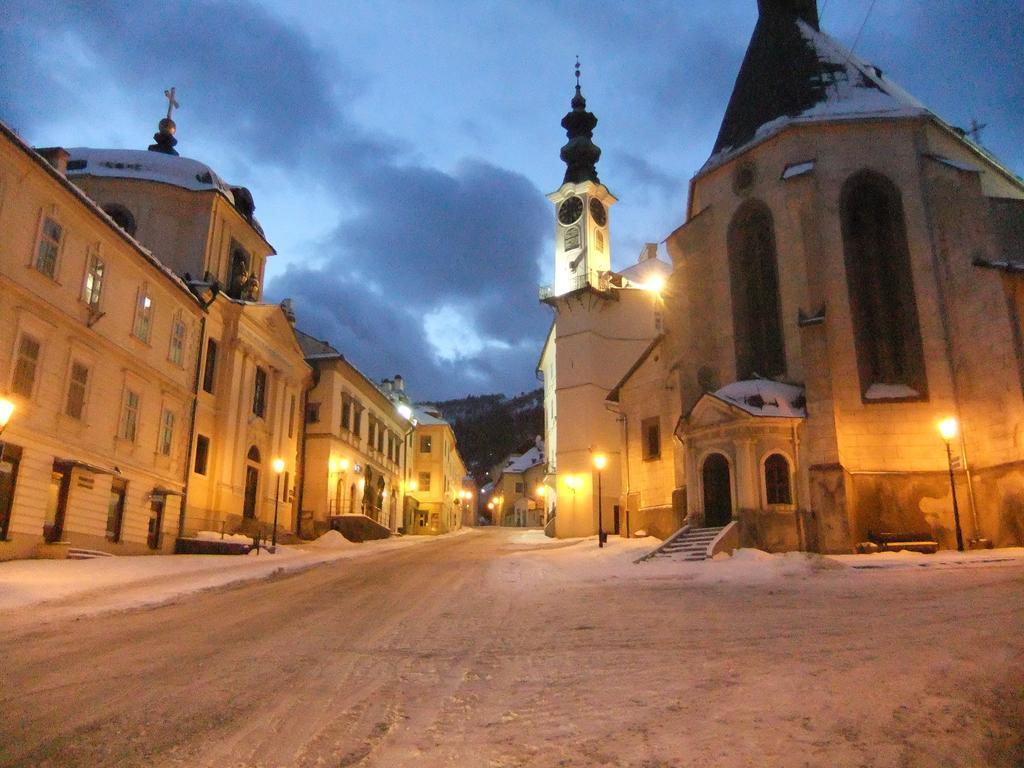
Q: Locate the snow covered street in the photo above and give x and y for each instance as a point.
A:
(502, 648)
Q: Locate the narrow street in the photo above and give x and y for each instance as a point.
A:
(477, 650)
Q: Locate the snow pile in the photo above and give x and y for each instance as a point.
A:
(755, 566)
(332, 540)
(240, 538)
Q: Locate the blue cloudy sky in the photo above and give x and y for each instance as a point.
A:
(399, 151)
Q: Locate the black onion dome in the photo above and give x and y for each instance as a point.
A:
(580, 154)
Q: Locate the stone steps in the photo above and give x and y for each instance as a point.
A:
(691, 546)
(78, 553)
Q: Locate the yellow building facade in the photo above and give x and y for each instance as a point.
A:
(98, 343)
(437, 475)
(356, 445)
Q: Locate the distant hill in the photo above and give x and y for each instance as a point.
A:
(489, 427)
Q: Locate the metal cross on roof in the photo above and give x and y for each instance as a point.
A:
(171, 102)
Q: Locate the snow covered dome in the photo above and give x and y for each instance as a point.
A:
(147, 166)
(764, 397)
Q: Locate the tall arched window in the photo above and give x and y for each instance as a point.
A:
(887, 335)
(776, 480)
(754, 277)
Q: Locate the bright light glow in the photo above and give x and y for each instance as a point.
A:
(949, 428)
(600, 461)
(278, 465)
(332, 464)
(343, 465)
(542, 491)
(6, 409)
(655, 284)
(147, 302)
(490, 505)
(404, 411)
(572, 482)
(413, 485)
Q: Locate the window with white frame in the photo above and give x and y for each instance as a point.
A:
(25, 366)
(77, 383)
(143, 314)
(129, 416)
(166, 432)
(177, 351)
(51, 236)
(776, 480)
(92, 288)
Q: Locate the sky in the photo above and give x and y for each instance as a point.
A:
(399, 152)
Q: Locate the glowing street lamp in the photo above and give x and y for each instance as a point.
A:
(278, 465)
(949, 428)
(600, 462)
(6, 411)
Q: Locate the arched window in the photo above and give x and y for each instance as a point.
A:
(776, 480)
(121, 216)
(254, 454)
(754, 277)
(887, 336)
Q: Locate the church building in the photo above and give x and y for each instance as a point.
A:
(846, 279)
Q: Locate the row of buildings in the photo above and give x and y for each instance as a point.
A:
(846, 278)
(155, 395)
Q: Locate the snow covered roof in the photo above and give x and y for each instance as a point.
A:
(428, 416)
(643, 272)
(763, 397)
(794, 73)
(313, 348)
(148, 166)
(519, 464)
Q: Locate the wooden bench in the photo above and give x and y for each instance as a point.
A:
(914, 541)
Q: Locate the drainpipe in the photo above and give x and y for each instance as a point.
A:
(192, 425)
(801, 535)
(300, 464)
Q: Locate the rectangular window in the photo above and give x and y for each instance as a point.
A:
(76, 391)
(93, 287)
(49, 247)
(143, 315)
(346, 412)
(291, 417)
(424, 484)
(312, 413)
(650, 430)
(115, 509)
(210, 373)
(425, 444)
(380, 438)
(259, 393)
(177, 352)
(372, 439)
(25, 366)
(357, 419)
(520, 488)
(166, 433)
(202, 454)
(391, 446)
(130, 416)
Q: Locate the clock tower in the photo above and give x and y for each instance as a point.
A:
(582, 245)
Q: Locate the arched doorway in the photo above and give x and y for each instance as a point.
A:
(252, 482)
(717, 490)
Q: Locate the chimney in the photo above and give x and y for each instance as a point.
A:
(57, 157)
(802, 9)
(399, 383)
(386, 385)
(649, 252)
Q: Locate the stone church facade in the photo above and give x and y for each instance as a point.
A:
(831, 303)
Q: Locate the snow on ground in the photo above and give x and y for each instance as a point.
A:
(126, 582)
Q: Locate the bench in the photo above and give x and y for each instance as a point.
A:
(914, 541)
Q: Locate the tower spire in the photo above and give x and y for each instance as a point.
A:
(164, 137)
(580, 154)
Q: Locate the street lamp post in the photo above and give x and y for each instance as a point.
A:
(949, 428)
(278, 465)
(600, 461)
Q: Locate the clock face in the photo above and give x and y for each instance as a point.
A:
(598, 212)
(570, 210)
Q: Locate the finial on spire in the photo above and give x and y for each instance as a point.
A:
(164, 137)
(580, 154)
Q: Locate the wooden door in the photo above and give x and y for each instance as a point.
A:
(717, 490)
